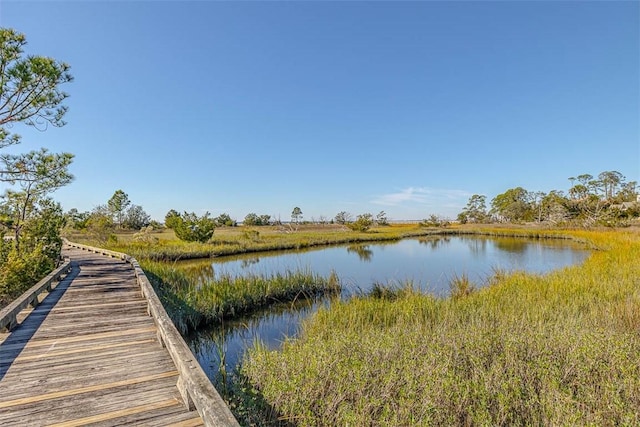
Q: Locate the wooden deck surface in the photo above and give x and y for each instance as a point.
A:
(89, 355)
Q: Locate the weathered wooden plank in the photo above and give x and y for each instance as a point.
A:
(88, 404)
(60, 381)
(78, 353)
(193, 422)
(84, 350)
(166, 417)
(118, 414)
(106, 305)
(73, 392)
(89, 337)
(69, 316)
(32, 347)
(56, 332)
(171, 415)
(127, 358)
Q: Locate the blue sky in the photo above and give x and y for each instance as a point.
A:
(406, 107)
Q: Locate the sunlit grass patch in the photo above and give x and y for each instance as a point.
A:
(554, 349)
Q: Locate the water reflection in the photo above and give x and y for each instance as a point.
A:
(511, 245)
(364, 253)
(248, 262)
(225, 345)
(428, 262)
(477, 247)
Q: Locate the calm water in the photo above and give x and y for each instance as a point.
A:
(429, 262)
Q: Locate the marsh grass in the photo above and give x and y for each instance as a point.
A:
(556, 349)
(460, 286)
(191, 300)
(246, 240)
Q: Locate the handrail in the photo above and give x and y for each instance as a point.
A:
(9, 314)
(195, 387)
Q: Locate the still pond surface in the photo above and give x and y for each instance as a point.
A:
(429, 263)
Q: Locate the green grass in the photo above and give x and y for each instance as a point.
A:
(238, 240)
(191, 299)
(557, 349)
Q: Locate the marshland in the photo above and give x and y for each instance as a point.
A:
(500, 287)
(509, 346)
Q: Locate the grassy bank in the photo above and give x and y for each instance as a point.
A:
(191, 301)
(237, 240)
(558, 349)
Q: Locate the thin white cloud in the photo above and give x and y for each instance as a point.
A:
(422, 196)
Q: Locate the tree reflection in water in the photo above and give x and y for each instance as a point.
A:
(364, 253)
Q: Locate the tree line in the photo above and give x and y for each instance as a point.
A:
(608, 200)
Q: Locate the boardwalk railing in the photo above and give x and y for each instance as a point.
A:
(9, 314)
(195, 387)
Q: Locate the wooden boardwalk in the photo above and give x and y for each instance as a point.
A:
(89, 355)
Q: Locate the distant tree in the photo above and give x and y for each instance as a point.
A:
(514, 205)
(554, 207)
(610, 181)
(117, 204)
(536, 203)
(193, 228)
(435, 221)
(102, 210)
(224, 220)
(251, 219)
(595, 201)
(171, 219)
(135, 218)
(155, 225)
(381, 218)
(362, 223)
(579, 191)
(462, 218)
(29, 87)
(265, 219)
(76, 220)
(343, 217)
(628, 192)
(296, 215)
(475, 211)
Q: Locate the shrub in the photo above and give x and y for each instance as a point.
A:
(362, 223)
(20, 271)
(193, 228)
